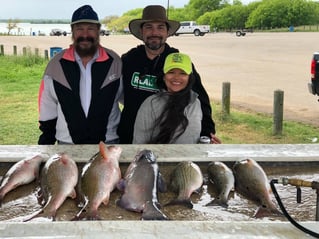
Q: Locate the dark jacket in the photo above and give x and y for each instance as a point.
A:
(139, 81)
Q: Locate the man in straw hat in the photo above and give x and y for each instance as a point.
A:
(81, 87)
(144, 63)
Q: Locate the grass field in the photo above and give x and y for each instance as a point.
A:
(19, 83)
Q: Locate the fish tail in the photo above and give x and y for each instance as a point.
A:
(103, 150)
(151, 212)
(218, 202)
(185, 202)
(265, 212)
(41, 213)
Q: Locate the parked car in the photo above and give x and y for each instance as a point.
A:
(191, 27)
(104, 32)
(313, 86)
(58, 32)
(41, 33)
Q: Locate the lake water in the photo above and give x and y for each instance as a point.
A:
(25, 28)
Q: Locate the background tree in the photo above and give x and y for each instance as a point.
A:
(197, 8)
(179, 14)
(282, 13)
(120, 24)
(12, 24)
(303, 12)
(230, 17)
(220, 14)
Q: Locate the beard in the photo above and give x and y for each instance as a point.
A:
(90, 49)
(154, 43)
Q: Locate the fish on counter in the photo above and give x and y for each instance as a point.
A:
(141, 183)
(222, 177)
(251, 182)
(98, 179)
(58, 179)
(22, 172)
(186, 178)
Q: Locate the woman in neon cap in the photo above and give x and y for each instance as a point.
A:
(174, 115)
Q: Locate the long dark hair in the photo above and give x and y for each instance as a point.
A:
(172, 121)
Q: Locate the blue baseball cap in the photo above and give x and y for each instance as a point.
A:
(85, 14)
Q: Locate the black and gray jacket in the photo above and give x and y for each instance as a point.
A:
(61, 115)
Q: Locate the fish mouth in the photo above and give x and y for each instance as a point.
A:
(146, 155)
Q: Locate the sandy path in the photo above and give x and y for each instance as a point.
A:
(256, 65)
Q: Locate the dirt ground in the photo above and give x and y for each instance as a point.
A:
(256, 65)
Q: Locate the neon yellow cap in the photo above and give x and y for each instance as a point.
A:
(179, 61)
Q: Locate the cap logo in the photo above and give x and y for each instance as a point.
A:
(84, 12)
(177, 58)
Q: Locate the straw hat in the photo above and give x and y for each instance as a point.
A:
(152, 13)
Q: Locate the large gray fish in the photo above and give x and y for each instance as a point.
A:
(223, 179)
(99, 178)
(22, 172)
(141, 182)
(251, 182)
(58, 179)
(185, 179)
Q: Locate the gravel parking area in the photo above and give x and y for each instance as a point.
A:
(256, 65)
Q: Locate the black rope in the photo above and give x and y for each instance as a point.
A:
(293, 222)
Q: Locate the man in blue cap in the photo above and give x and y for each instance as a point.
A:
(81, 88)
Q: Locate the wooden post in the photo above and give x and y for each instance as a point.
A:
(278, 112)
(15, 52)
(46, 54)
(24, 51)
(226, 99)
(36, 51)
(1, 50)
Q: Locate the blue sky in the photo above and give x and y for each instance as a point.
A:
(63, 9)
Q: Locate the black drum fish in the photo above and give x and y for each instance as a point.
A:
(140, 184)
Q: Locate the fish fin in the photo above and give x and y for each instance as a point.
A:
(151, 212)
(161, 184)
(86, 215)
(121, 184)
(80, 198)
(40, 198)
(106, 200)
(118, 203)
(73, 194)
(184, 202)
(103, 150)
(198, 190)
